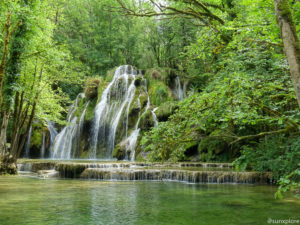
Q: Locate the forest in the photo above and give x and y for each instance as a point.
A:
(205, 81)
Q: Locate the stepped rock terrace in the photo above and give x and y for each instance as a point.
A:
(182, 172)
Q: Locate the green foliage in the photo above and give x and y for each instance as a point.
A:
(277, 154)
(290, 182)
(166, 110)
(158, 92)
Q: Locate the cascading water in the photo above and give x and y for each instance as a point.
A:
(154, 116)
(179, 90)
(132, 139)
(53, 133)
(79, 132)
(27, 144)
(43, 145)
(115, 100)
(82, 117)
(63, 141)
(116, 119)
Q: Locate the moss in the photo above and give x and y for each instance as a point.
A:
(138, 81)
(80, 108)
(143, 97)
(167, 109)
(89, 114)
(162, 74)
(37, 135)
(70, 170)
(91, 87)
(101, 88)
(286, 13)
(285, 10)
(119, 152)
(110, 74)
(140, 155)
(146, 121)
(159, 92)
(84, 155)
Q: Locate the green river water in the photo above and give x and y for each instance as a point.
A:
(33, 201)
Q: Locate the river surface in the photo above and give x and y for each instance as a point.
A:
(34, 201)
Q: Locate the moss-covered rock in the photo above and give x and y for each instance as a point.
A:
(120, 151)
(89, 113)
(138, 81)
(70, 170)
(36, 139)
(164, 111)
(159, 92)
(101, 88)
(162, 74)
(146, 121)
(8, 164)
(91, 87)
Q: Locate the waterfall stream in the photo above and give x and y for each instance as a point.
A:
(27, 144)
(78, 133)
(63, 141)
(154, 116)
(179, 89)
(115, 100)
(43, 145)
(53, 134)
(112, 122)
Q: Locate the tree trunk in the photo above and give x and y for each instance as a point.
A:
(290, 41)
(4, 54)
(5, 119)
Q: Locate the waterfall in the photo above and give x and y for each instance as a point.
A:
(63, 141)
(116, 98)
(52, 132)
(154, 117)
(82, 117)
(111, 122)
(79, 132)
(132, 139)
(43, 146)
(179, 90)
(27, 145)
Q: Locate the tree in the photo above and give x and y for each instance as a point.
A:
(290, 41)
(34, 68)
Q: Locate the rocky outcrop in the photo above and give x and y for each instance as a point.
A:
(7, 164)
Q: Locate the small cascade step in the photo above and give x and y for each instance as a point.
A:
(190, 172)
(176, 175)
(47, 173)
